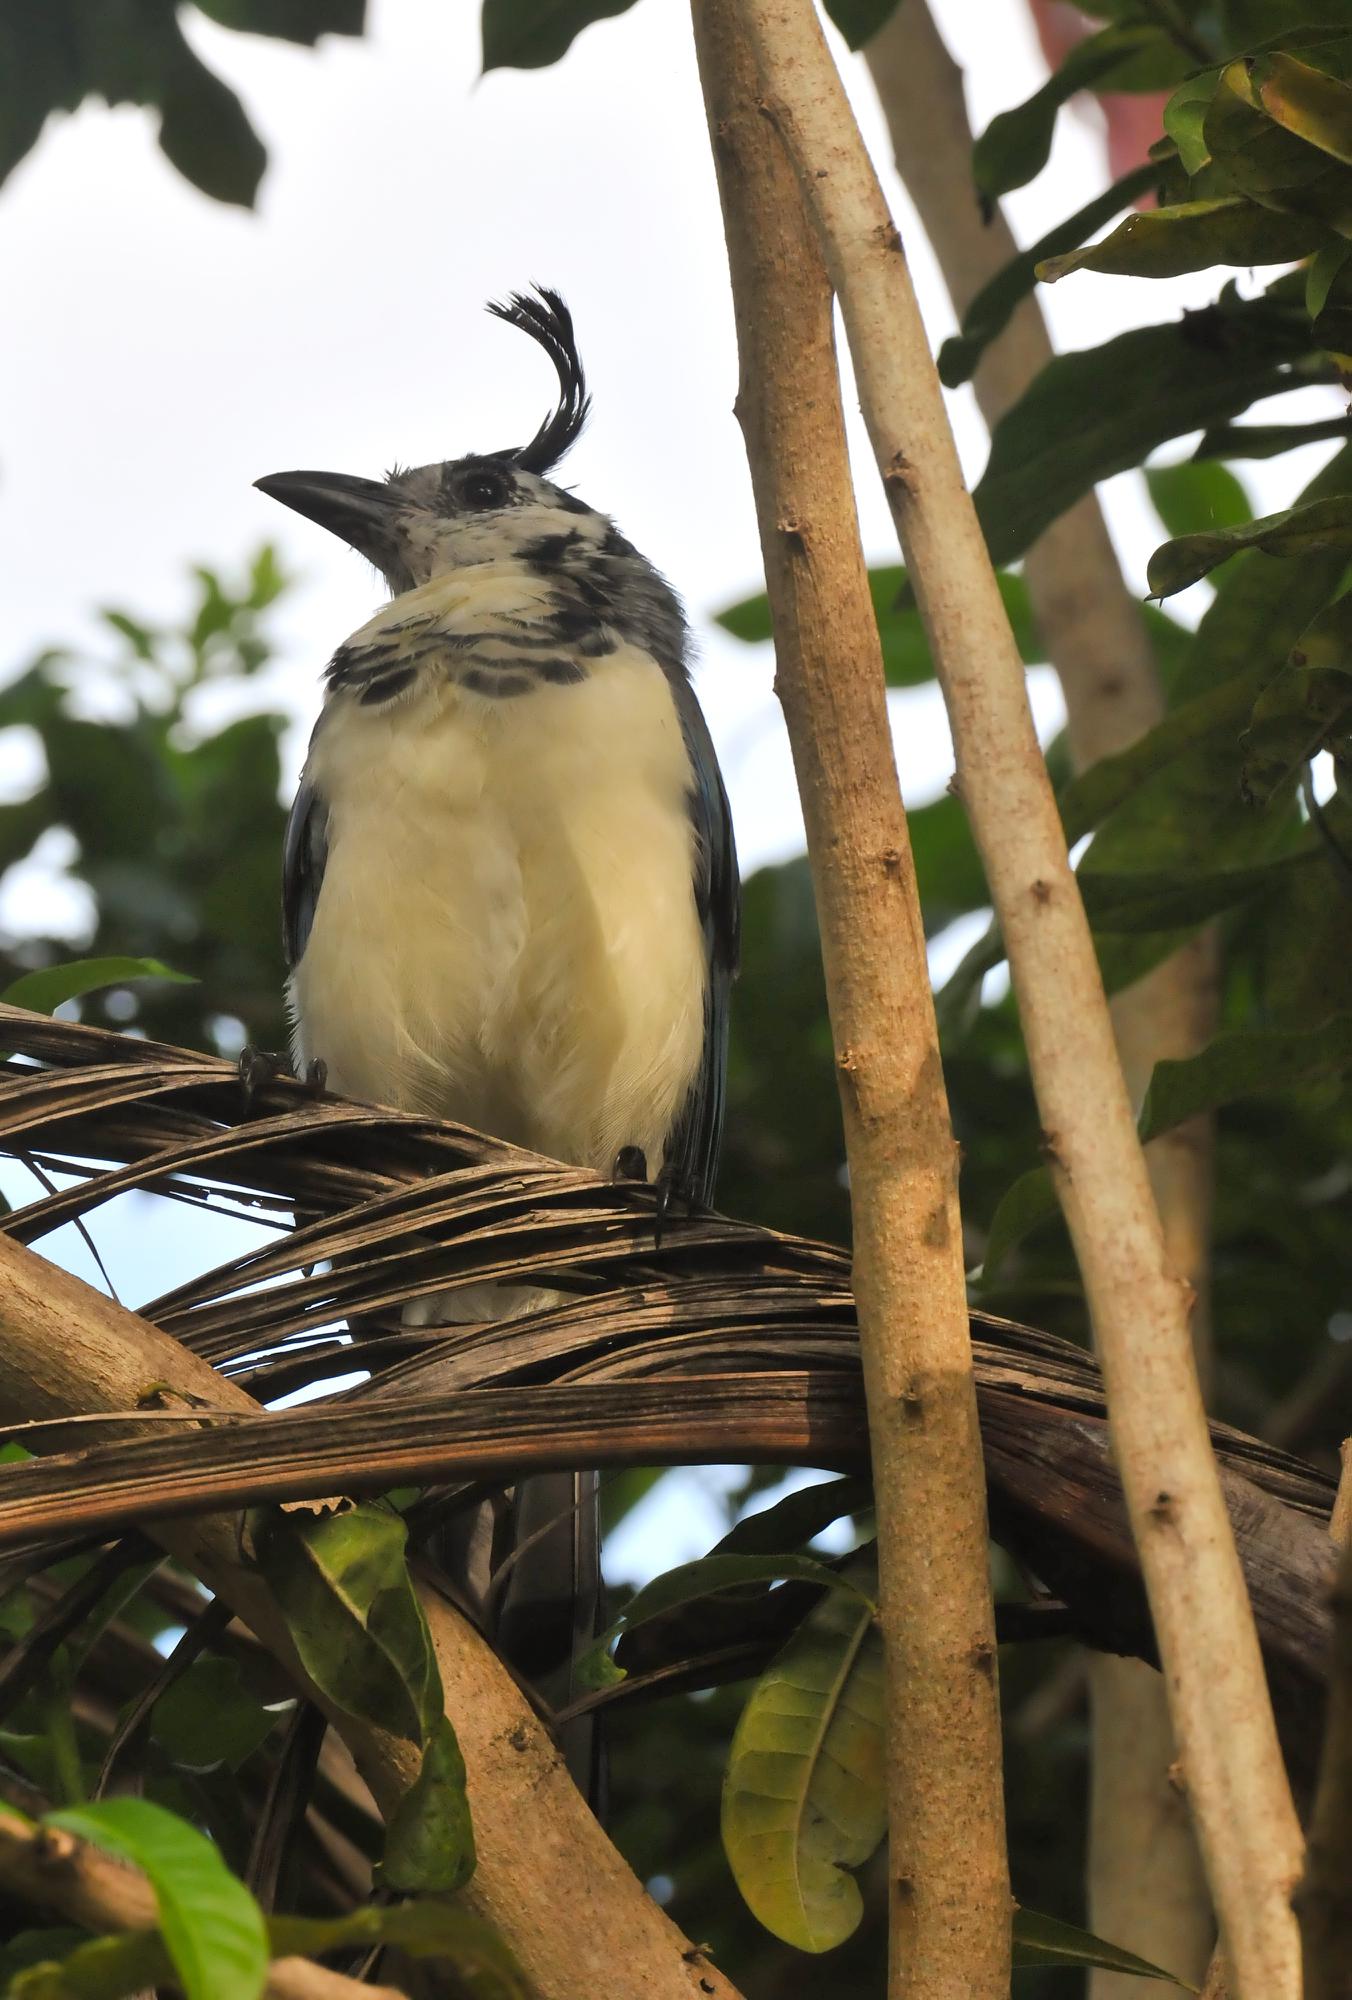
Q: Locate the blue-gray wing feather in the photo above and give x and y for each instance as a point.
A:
(303, 857)
(693, 1150)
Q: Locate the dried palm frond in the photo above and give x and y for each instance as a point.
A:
(727, 1341)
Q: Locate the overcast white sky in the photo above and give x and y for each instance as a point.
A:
(159, 352)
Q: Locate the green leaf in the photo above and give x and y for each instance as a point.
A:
(1268, 440)
(1191, 236)
(860, 20)
(207, 1720)
(1246, 1063)
(803, 1798)
(482, 1961)
(531, 34)
(1313, 527)
(994, 305)
(1185, 116)
(1191, 497)
(211, 1925)
(1090, 414)
(906, 654)
(343, 1586)
(429, 1843)
(1304, 101)
(1015, 145)
(290, 20)
(705, 1578)
(1029, 1201)
(1306, 708)
(1040, 1941)
(44, 991)
(1119, 899)
(796, 1518)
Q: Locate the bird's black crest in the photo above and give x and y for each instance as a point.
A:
(547, 320)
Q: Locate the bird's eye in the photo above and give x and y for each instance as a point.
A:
(483, 490)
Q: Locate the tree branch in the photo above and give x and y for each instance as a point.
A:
(53, 1868)
(548, 1880)
(949, 1900)
(1323, 1901)
(1146, 1886)
(1222, 1716)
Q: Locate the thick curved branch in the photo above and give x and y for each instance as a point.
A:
(577, 1920)
(1222, 1716)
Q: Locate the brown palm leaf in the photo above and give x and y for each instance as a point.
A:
(726, 1341)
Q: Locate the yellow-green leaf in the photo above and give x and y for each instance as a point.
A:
(1319, 525)
(1305, 101)
(1190, 236)
(803, 1798)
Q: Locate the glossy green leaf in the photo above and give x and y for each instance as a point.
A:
(1269, 440)
(803, 1798)
(99, 1968)
(1246, 1063)
(1314, 106)
(859, 20)
(343, 1585)
(44, 991)
(1312, 528)
(691, 1581)
(1192, 497)
(429, 1842)
(1046, 1941)
(1190, 236)
(531, 34)
(1255, 157)
(211, 1925)
(1131, 900)
(906, 653)
(208, 1720)
(1305, 708)
(1185, 117)
(795, 1519)
(1016, 145)
(1093, 413)
(994, 305)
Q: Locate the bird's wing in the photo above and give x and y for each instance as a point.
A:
(692, 1154)
(303, 858)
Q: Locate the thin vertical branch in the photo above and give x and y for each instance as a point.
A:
(949, 1904)
(1218, 1695)
(1145, 1880)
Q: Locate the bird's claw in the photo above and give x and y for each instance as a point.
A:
(258, 1067)
(631, 1164)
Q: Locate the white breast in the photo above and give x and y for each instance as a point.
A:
(507, 932)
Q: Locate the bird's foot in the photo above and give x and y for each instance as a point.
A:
(668, 1188)
(631, 1164)
(259, 1067)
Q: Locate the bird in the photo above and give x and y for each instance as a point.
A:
(510, 884)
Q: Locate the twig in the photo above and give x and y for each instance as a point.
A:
(949, 1887)
(53, 1868)
(542, 1856)
(1219, 1701)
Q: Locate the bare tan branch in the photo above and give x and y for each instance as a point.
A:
(1146, 1886)
(1219, 1702)
(55, 1870)
(949, 1891)
(548, 1880)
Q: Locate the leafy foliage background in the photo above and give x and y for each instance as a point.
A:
(175, 826)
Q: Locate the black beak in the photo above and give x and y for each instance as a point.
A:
(361, 512)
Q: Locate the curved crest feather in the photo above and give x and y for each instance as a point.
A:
(548, 321)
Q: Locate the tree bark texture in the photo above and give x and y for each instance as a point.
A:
(949, 1902)
(1146, 1886)
(1218, 1698)
(549, 1881)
